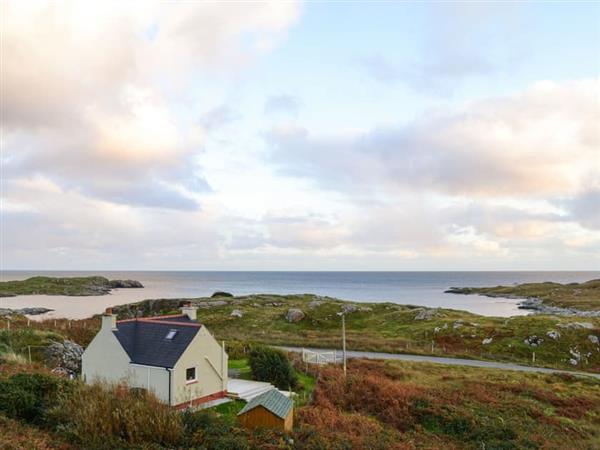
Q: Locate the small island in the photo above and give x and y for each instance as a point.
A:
(548, 297)
(72, 286)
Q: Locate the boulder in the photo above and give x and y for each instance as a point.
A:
(437, 329)
(294, 315)
(533, 341)
(487, 341)
(593, 339)
(66, 354)
(237, 313)
(315, 304)
(347, 309)
(553, 334)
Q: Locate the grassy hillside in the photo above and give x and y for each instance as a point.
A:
(415, 405)
(93, 285)
(582, 296)
(389, 327)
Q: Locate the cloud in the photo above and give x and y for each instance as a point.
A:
(585, 207)
(540, 142)
(219, 117)
(92, 92)
(282, 103)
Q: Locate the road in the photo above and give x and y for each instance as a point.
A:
(442, 360)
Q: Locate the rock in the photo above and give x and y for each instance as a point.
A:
(553, 334)
(117, 284)
(458, 324)
(347, 309)
(533, 341)
(445, 327)
(576, 325)
(222, 294)
(437, 329)
(593, 339)
(427, 313)
(315, 304)
(576, 356)
(66, 354)
(365, 309)
(573, 361)
(294, 315)
(25, 311)
(487, 341)
(211, 304)
(237, 313)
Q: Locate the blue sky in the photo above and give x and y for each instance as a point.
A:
(301, 136)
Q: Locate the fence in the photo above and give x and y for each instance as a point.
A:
(324, 357)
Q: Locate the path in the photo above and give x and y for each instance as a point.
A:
(443, 360)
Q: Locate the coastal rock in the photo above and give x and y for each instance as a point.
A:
(458, 324)
(594, 339)
(576, 325)
(117, 284)
(212, 304)
(66, 354)
(365, 309)
(487, 341)
(538, 306)
(437, 329)
(533, 341)
(25, 311)
(237, 313)
(553, 334)
(294, 315)
(315, 304)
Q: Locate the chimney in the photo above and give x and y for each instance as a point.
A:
(189, 310)
(109, 320)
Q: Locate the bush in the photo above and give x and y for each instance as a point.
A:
(237, 349)
(222, 294)
(206, 429)
(100, 416)
(27, 396)
(272, 365)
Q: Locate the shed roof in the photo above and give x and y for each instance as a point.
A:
(145, 340)
(273, 401)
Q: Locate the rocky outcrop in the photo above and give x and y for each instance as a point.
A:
(25, 311)
(537, 305)
(66, 355)
(576, 325)
(593, 339)
(427, 313)
(294, 315)
(125, 284)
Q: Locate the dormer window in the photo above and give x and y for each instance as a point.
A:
(171, 334)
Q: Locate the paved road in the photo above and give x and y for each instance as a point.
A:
(442, 360)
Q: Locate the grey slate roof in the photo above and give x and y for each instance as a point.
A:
(145, 341)
(273, 401)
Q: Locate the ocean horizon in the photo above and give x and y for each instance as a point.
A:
(421, 288)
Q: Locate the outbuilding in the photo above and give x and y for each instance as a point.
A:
(269, 410)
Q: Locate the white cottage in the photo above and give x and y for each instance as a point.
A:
(173, 356)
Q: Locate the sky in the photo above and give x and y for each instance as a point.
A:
(291, 135)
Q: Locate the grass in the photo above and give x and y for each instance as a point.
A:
(241, 366)
(230, 409)
(583, 296)
(389, 327)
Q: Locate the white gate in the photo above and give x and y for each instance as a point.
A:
(324, 357)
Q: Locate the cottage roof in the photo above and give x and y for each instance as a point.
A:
(273, 401)
(158, 341)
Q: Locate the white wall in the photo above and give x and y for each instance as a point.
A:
(211, 378)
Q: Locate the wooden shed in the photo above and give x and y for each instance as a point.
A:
(269, 410)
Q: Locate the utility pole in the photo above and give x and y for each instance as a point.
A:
(344, 341)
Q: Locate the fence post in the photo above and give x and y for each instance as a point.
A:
(533, 357)
(29, 352)
(432, 344)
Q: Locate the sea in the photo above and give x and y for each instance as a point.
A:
(412, 288)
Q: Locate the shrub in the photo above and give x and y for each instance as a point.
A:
(101, 416)
(272, 365)
(206, 429)
(222, 294)
(27, 396)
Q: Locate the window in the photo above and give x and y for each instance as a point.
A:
(171, 334)
(190, 374)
